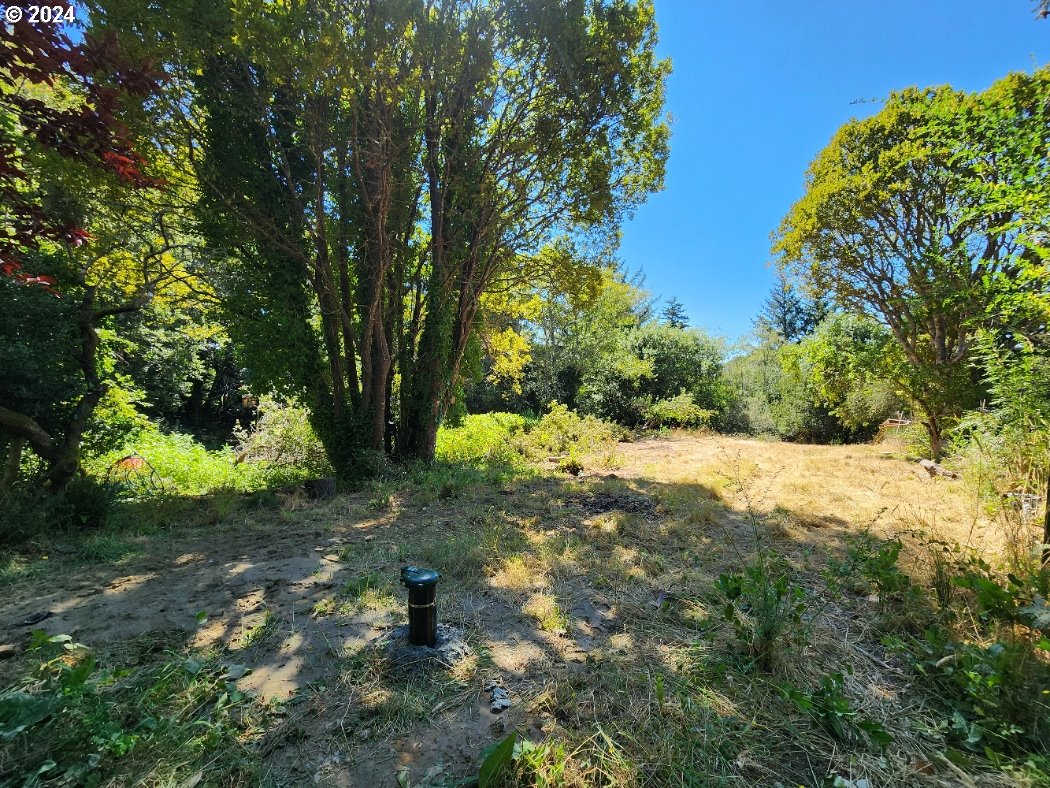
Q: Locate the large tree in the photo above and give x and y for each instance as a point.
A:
(81, 241)
(914, 218)
(369, 170)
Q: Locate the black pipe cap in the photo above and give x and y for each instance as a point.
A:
(417, 577)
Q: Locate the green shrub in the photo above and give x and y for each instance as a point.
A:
(993, 694)
(184, 466)
(680, 411)
(561, 430)
(483, 438)
(283, 438)
(654, 362)
(765, 608)
(85, 504)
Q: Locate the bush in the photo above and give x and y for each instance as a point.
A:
(484, 438)
(178, 464)
(85, 504)
(283, 438)
(679, 411)
(767, 393)
(561, 430)
(655, 362)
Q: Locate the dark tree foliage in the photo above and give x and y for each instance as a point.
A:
(674, 314)
(783, 313)
(87, 129)
(60, 102)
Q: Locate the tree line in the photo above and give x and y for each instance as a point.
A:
(339, 185)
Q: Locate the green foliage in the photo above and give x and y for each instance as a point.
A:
(768, 393)
(283, 437)
(967, 168)
(77, 722)
(560, 430)
(183, 466)
(1004, 449)
(85, 504)
(117, 419)
(830, 707)
(983, 661)
(497, 760)
(576, 333)
(679, 411)
(39, 375)
(873, 566)
(482, 438)
(849, 362)
(765, 608)
(994, 693)
(654, 362)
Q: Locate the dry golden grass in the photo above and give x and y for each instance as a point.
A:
(807, 489)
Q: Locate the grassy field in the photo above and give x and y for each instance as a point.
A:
(689, 610)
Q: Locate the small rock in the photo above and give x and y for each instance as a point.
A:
(36, 618)
(370, 537)
(8, 650)
(499, 697)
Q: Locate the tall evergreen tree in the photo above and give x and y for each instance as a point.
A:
(783, 313)
(674, 314)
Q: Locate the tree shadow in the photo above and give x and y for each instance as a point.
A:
(580, 596)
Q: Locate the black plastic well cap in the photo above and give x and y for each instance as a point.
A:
(417, 577)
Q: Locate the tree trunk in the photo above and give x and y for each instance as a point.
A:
(935, 433)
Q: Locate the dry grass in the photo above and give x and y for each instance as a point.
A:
(594, 601)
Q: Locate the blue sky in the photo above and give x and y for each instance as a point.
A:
(758, 88)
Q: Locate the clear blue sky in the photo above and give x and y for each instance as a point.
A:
(759, 87)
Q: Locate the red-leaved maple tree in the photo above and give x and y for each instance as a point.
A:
(89, 130)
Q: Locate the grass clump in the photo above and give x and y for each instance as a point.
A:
(544, 609)
(261, 631)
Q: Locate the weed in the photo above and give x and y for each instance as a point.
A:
(544, 609)
(260, 632)
(76, 721)
(871, 566)
(765, 608)
(571, 464)
(830, 707)
(324, 607)
(381, 495)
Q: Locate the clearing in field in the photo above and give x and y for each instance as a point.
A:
(708, 610)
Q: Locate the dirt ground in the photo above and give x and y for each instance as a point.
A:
(269, 588)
